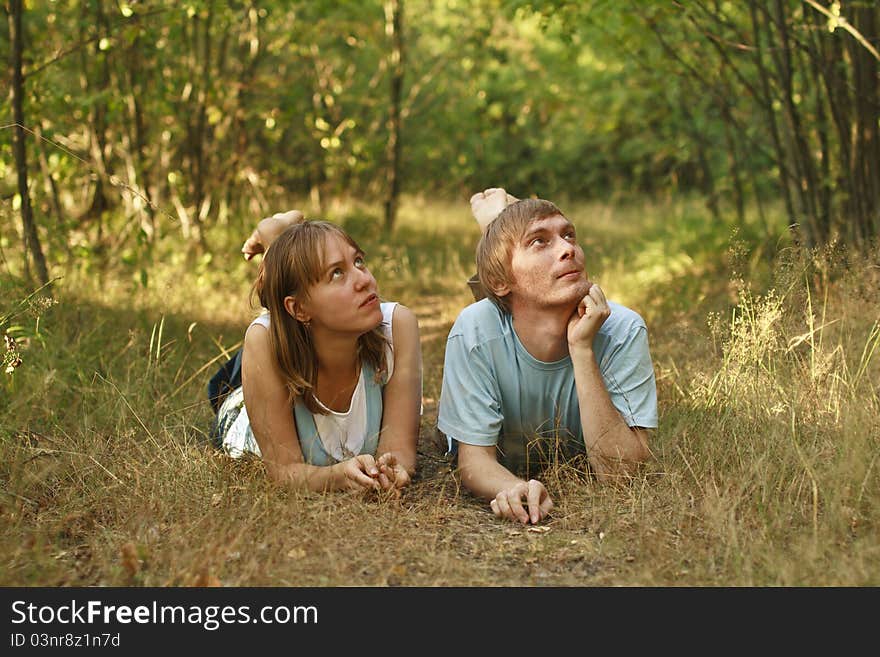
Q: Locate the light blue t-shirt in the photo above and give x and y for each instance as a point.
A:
(496, 393)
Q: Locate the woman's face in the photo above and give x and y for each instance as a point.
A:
(345, 299)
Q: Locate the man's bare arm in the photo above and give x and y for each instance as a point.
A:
(484, 476)
(613, 448)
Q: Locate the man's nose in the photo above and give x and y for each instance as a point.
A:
(566, 250)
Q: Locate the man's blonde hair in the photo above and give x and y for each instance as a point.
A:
(495, 248)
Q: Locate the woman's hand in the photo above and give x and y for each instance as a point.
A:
(267, 230)
(392, 475)
(361, 473)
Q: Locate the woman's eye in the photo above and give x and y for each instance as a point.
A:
(336, 274)
(359, 262)
(571, 237)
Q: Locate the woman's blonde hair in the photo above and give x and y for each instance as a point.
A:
(294, 263)
(495, 247)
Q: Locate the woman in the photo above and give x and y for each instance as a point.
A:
(331, 377)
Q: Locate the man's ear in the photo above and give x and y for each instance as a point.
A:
(295, 310)
(502, 291)
(499, 287)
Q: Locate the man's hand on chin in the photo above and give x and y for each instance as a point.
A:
(587, 319)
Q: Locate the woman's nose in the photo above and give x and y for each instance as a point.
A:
(363, 279)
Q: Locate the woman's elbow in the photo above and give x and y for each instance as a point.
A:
(288, 475)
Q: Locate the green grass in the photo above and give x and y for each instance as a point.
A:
(765, 469)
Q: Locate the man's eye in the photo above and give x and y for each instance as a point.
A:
(538, 241)
(359, 262)
(571, 237)
(336, 274)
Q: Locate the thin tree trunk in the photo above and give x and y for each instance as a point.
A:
(867, 107)
(198, 140)
(250, 50)
(799, 151)
(822, 192)
(51, 190)
(707, 179)
(393, 28)
(96, 126)
(135, 84)
(832, 69)
(32, 246)
(771, 117)
(734, 164)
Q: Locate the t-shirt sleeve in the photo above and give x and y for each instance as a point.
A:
(470, 408)
(629, 377)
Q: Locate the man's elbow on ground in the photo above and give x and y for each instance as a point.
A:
(639, 455)
(626, 463)
(643, 452)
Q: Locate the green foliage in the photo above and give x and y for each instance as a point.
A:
(20, 320)
(191, 118)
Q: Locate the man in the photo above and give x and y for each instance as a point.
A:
(543, 364)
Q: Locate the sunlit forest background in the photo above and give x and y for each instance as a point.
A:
(721, 161)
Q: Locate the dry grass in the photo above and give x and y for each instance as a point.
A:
(765, 473)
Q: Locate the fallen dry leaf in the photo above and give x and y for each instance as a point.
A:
(206, 579)
(296, 553)
(130, 560)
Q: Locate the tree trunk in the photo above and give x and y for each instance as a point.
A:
(393, 28)
(767, 104)
(706, 177)
(136, 86)
(97, 125)
(865, 225)
(799, 149)
(197, 140)
(51, 191)
(739, 197)
(823, 128)
(832, 67)
(32, 246)
(815, 129)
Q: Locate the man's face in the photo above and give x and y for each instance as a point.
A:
(547, 266)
